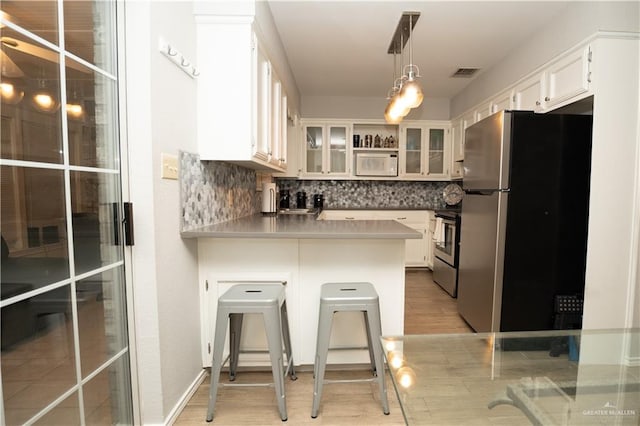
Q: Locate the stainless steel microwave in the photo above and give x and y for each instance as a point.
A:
(376, 164)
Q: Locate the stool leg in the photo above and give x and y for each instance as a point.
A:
(322, 350)
(216, 361)
(375, 326)
(235, 334)
(274, 337)
(286, 336)
(370, 344)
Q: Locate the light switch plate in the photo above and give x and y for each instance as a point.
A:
(169, 166)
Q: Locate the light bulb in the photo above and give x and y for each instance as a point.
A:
(74, 110)
(44, 102)
(398, 107)
(10, 94)
(411, 94)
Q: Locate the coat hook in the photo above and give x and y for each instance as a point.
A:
(170, 51)
(195, 72)
(184, 62)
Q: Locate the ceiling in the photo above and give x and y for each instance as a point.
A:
(339, 48)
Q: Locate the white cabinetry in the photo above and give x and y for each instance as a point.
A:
(418, 252)
(562, 80)
(568, 77)
(239, 120)
(424, 151)
(528, 94)
(326, 152)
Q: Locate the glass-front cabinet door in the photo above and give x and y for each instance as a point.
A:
(423, 151)
(314, 149)
(337, 150)
(436, 152)
(326, 150)
(412, 152)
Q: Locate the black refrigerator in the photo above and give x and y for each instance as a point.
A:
(523, 234)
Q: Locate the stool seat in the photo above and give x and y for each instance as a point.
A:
(350, 296)
(268, 300)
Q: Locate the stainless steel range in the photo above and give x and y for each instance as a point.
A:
(447, 238)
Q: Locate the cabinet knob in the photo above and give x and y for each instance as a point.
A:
(547, 99)
(537, 103)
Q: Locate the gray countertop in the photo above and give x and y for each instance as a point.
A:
(304, 227)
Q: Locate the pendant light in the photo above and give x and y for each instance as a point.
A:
(411, 92)
(42, 99)
(10, 92)
(74, 105)
(395, 111)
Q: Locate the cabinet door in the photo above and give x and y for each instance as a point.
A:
(315, 141)
(502, 102)
(483, 112)
(275, 142)
(457, 135)
(263, 101)
(436, 162)
(337, 150)
(416, 250)
(412, 158)
(568, 77)
(528, 94)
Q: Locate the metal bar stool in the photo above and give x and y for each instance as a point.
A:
(269, 300)
(337, 297)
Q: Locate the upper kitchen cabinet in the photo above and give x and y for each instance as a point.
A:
(326, 151)
(559, 82)
(242, 104)
(424, 151)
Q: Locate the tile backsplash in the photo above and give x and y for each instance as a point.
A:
(358, 194)
(213, 192)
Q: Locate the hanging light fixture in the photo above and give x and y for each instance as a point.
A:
(411, 92)
(396, 110)
(42, 99)
(74, 105)
(11, 92)
(406, 93)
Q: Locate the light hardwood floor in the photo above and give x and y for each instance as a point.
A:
(428, 309)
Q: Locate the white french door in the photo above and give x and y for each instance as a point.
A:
(65, 357)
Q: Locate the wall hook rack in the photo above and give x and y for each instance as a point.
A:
(178, 58)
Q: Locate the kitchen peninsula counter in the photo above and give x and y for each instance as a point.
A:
(303, 252)
(305, 227)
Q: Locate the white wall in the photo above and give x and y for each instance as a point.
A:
(369, 108)
(161, 118)
(577, 22)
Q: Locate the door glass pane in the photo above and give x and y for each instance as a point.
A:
(40, 17)
(91, 113)
(414, 139)
(30, 100)
(413, 162)
(33, 225)
(101, 318)
(338, 149)
(314, 149)
(436, 150)
(86, 32)
(38, 361)
(414, 151)
(66, 413)
(102, 405)
(95, 241)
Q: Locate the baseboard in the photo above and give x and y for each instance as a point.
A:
(184, 400)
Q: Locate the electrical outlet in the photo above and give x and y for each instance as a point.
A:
(169, 166)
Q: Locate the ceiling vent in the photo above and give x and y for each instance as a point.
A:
(465, 72)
